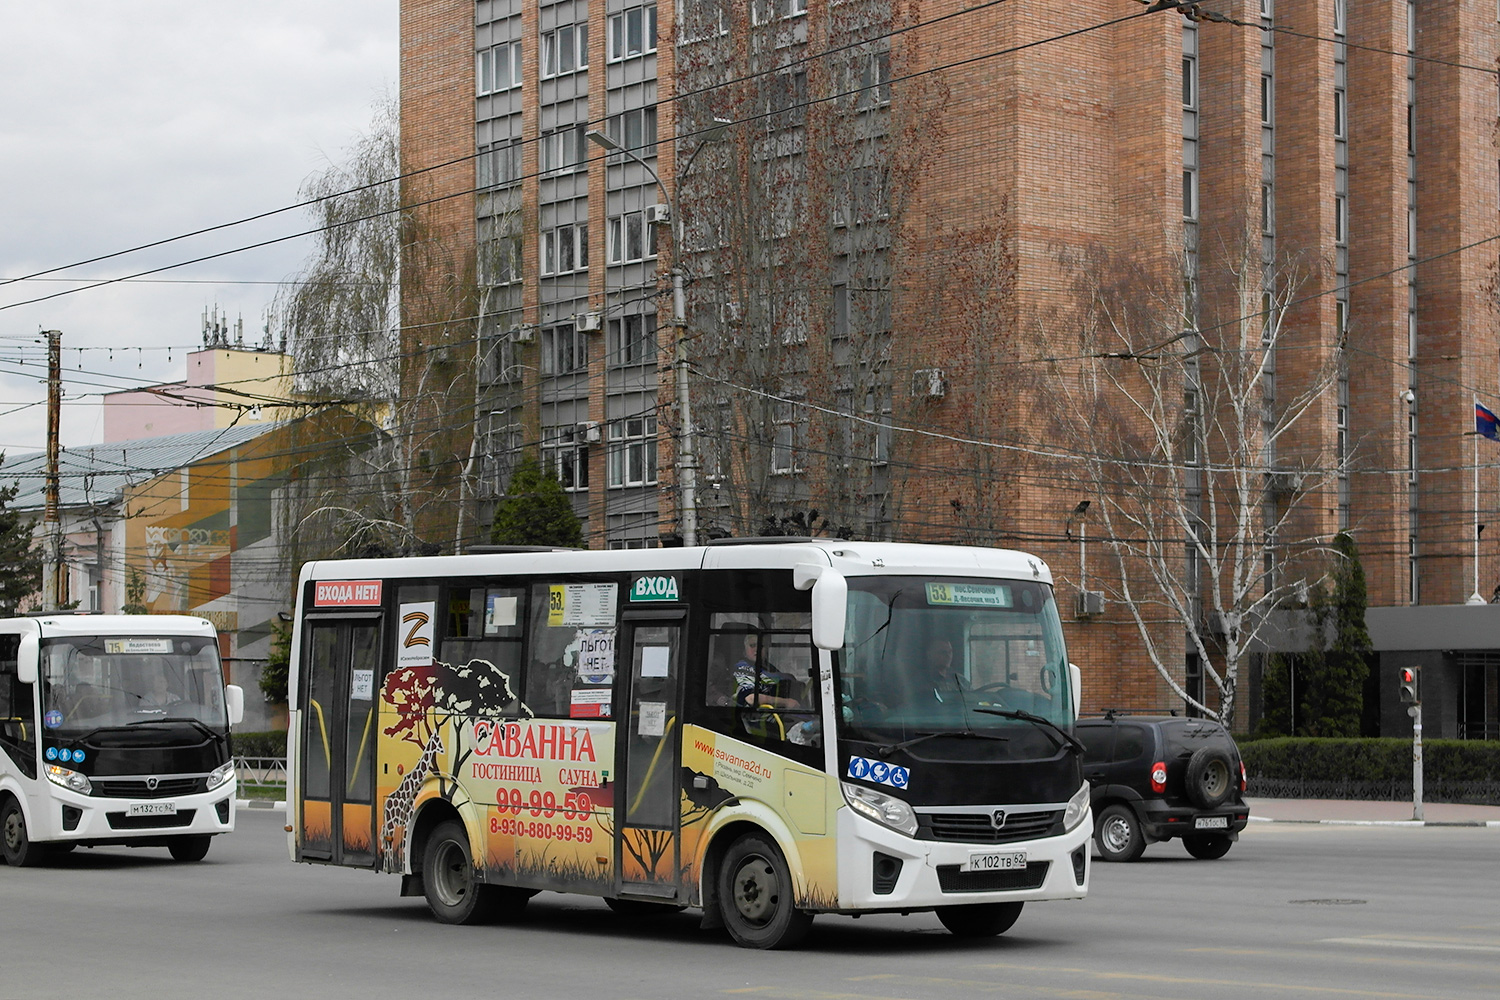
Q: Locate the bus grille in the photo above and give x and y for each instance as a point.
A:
(977, 828)
(135, 788)
(119, 821)
(950, 879)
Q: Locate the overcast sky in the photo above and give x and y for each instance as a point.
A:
(122, 123)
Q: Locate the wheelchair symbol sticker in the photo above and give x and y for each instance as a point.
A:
(879, 772)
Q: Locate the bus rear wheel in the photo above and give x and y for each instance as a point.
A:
(15, 843)
(979, 920)
(455, 894)
(756, 897)
(193, 848)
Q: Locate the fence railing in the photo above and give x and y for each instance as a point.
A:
(261, 772)
(1392, 790)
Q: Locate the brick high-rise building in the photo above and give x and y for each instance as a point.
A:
(887, 213)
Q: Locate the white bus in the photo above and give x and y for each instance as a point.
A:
(768, 730)
(114, 729)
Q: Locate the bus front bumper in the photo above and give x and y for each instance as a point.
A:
(66, 815)
(886, 870)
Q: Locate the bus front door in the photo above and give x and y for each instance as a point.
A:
(338, 741)
(647, 813)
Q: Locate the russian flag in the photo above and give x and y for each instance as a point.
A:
(1485, 422)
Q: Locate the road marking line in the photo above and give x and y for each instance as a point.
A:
(1409, 943)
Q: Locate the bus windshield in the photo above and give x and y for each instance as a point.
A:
(979, 660)
(104, 682)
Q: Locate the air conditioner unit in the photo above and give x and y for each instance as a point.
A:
(730, 312)
(588, 322)
(1285, 482)
(523, 334)
(1088, 602)
(588, 431)
(658, 215)
(929, 383)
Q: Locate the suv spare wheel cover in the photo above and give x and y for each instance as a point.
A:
(1209, 780)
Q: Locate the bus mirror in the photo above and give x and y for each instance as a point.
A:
(234, 699)
(1075, 681)
(830, 602)
(26, 658)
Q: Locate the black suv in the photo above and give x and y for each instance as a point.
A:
(1156, 777)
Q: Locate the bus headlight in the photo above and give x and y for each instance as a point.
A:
(887, 810)
(221, 774)
(71, 780)
(1078, 807)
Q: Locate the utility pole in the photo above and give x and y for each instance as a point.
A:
(52, 590)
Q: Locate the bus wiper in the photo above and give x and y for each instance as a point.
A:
(1068, 739)
(195, 723)
(886, 751)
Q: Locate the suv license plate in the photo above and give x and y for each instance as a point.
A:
(994, 861)
(1211, 823)
(151, 809)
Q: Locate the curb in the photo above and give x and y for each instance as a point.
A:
(259, 804)
(1379, 822)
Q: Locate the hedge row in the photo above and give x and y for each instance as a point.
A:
(1320, 763)
(272, 744)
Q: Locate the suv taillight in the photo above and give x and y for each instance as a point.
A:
(1244, 784)
(1159, 777)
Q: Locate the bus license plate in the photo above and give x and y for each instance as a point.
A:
(1211, 823)
(151, 809)
(995, 861)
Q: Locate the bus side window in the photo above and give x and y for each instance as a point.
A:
(17, 731)
(549, 674)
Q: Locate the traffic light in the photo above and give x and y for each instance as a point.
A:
(1409, 678)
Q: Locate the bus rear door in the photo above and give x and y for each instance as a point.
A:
(339, 677)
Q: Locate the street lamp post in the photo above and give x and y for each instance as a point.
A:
(687, 463)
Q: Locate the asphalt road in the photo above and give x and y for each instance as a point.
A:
(1293, 911)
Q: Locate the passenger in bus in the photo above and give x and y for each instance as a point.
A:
(766, 688)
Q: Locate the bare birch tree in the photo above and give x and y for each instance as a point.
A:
(1205, 468)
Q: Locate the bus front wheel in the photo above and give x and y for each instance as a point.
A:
(756, 897)
(189, 848)
(15, 843)
(979, 920)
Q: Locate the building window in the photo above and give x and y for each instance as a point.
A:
(566, 456)
(631, 238)
(1341, 443)
(498, 164)
(874, 81)
(1267, 101)
(1340, 9)
(632, 451)
(1267, 209)
(1340, 219)
(1189, 82)
(499, 253)
(564, 350)
(632, 33)
(699, 20)
(1190, 195)
(1414, 590)
(565, 50)
(1340, 115)
(565, 249)
(562, 150)
(1411, 448)
(632, 340)
(498, 68)
(784, 439)
(766, 11)
(635, 130)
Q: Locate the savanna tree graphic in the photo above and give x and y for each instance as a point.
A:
(422, 699)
